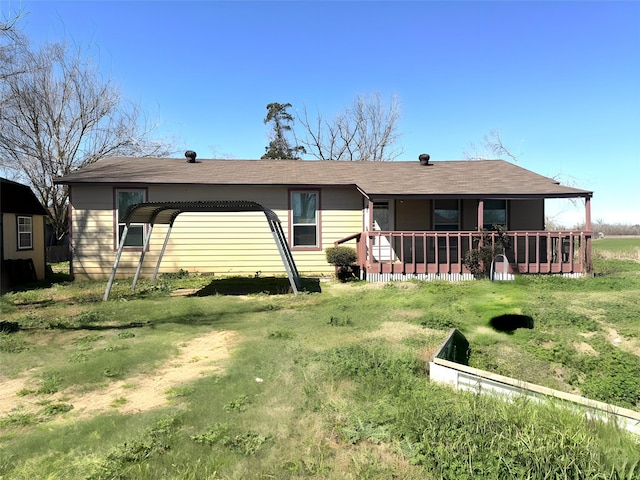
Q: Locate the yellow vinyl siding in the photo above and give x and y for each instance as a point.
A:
(220, 243)
(224, 243)
(92, 235)
(341, 216)
(10, 241)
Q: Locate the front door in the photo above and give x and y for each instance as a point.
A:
(383, 221)
(383, 216)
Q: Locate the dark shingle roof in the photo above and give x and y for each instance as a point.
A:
(18, 198)
(460, 178)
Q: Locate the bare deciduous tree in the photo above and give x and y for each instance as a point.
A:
(366, 130)
(492, 147)
(59, 115)
(12, 46)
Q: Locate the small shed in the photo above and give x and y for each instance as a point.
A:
(22, 235)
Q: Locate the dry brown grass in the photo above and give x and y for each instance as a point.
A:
(199, 357)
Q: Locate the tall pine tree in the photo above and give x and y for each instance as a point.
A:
(279, 147)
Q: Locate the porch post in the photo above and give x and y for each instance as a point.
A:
(588, 264)
(480, 214)
(368, 244)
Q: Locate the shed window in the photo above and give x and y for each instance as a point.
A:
(304, 218)
(124, 199)
(25, 233)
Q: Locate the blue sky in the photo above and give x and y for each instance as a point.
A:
(560, 80)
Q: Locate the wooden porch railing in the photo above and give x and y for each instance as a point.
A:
(439, 252)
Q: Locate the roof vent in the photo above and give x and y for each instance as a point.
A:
(191, 156)
(424, 159)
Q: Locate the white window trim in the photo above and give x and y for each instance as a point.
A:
(316, 224)
(390, 205)
(23, 232)
(118, 223)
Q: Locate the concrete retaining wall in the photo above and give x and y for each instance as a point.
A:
(446, 371)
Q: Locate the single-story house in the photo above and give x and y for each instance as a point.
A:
(406, 219)
(22, 235)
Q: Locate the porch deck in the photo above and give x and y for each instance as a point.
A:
(439, 254)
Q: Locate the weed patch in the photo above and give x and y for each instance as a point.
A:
(180, 391)
(340, 321)
(49, 384)
(237, 405)
(245, 443)
(613, 377)
(281, 334)
(56, 409)
(18, 419)
(12, 342)
(375, 366)
(156, 440)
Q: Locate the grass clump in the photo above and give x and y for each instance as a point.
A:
(613, 377)
(18, 419)
(49, 384)
(237, 405)
(245, 443)
(56, 409)
(156, 440)
(12, 342)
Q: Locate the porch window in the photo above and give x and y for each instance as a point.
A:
(447, 218)
(304, 218)
(124, 199)
(495, 213)
(446, 215)
(25, 233)
(381, 216)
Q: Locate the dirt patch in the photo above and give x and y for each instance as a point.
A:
(184, 292)
(629, 345)
(395, 332)
(583, 347)
(197, 358)
(587, 334)
(334, 286)
(484, 330)
(591, 313)
(408, 314)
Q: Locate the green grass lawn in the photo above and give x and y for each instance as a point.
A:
(618, 247)
(328, 384)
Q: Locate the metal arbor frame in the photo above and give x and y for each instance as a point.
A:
(165, 213)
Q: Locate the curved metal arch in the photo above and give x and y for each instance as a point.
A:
(165, 213)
